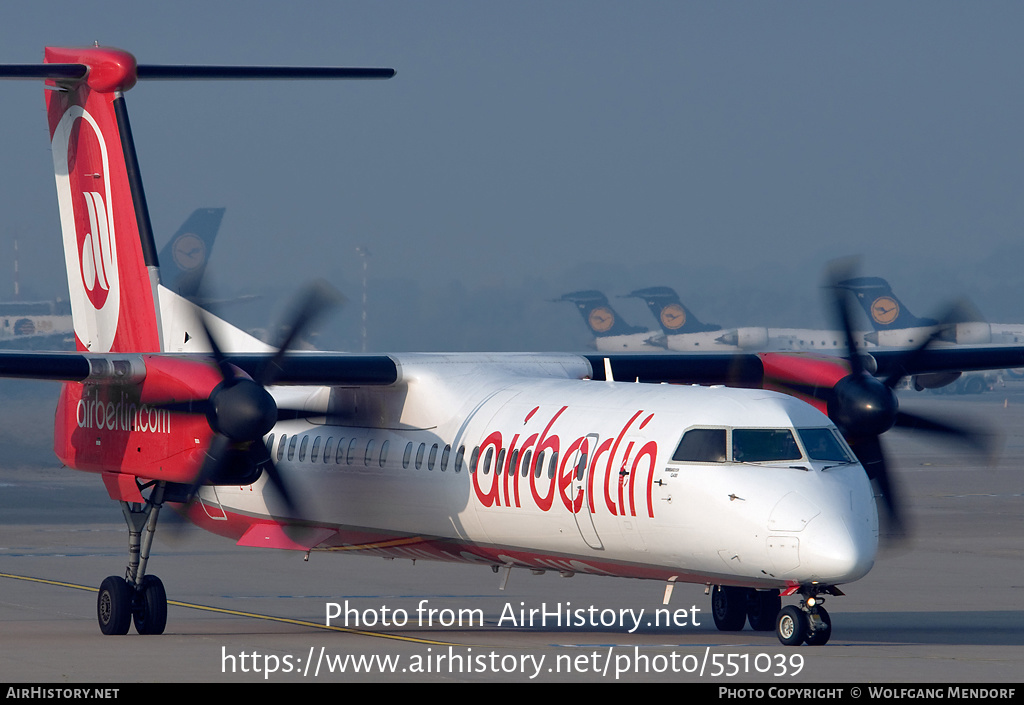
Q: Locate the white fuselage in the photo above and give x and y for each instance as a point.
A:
(443, 465)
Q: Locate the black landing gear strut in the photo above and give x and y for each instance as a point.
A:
(136, 597)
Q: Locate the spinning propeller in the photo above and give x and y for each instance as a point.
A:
(864, 407)
(240, 410)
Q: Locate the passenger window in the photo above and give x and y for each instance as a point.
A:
(384, 452)
(474, 459)
(270, 443)
(407, 457)
(500, 467)
(459, 458)
(538, 466)
(327, 449)
(280, 448)
(444, 457)
(759, 445)
(340, 455)
(552, 465)
(315, 452)
(419, 455)
(581, 466)
(487, 460)
(291, 447)
(302, 448)
(368, 455)
(513, 463)
(351, 451)
(526, 463)
(701, 445)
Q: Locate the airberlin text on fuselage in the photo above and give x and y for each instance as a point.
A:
(122, 415)
(608, 482)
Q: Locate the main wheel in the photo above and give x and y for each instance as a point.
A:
(729, 608)
(820, 637)
(150, 606)
(762, 609)
(114, 606)
(791, 626)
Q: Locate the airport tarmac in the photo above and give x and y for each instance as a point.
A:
(945, 608)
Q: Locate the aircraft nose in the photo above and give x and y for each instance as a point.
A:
(838, 549)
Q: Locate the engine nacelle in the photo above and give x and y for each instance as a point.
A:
(122, 425)
(935, 380)
(746, 338)
(972, 333)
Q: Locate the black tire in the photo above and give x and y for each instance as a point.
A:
(114, 606)
(729, 608)
(150, 606)
(791, 626)
(821, 636)
(763, 609)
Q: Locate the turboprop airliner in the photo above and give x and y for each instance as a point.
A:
(513, 461)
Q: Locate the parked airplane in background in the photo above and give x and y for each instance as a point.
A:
(611, 332)
(683, 332)
(536, 461)
(187, 253)
(895, 326)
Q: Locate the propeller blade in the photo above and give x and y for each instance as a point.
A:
(319, 297)
(261, 456)
(841, 270)
(982, 442)
(216, 457)
(869, 452)
(908, 361)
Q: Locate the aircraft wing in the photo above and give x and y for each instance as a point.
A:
(344, 369)
(748, 369)
(328, 369)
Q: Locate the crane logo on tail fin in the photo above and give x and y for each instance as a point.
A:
(885, 310)
(82, 172)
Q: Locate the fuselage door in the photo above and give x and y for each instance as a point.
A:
(579, 464)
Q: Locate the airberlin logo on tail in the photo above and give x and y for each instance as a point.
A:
(82, 172)
(97, 253)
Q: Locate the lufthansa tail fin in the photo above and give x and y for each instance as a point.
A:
(883, 309)
(673, 317)
(183, 259)
(599, 315)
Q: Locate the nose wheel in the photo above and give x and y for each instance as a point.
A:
(807, 623)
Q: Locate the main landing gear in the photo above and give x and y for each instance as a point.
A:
(733, 606)
(807, 622)
(136, 597)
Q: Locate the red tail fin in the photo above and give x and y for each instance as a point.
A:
(110, 286)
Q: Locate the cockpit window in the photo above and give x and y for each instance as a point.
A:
(758, 445)
(701, 445)
(822, 444)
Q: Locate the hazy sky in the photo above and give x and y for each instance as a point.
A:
(726, 149)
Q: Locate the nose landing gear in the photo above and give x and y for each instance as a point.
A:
(807, 622)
